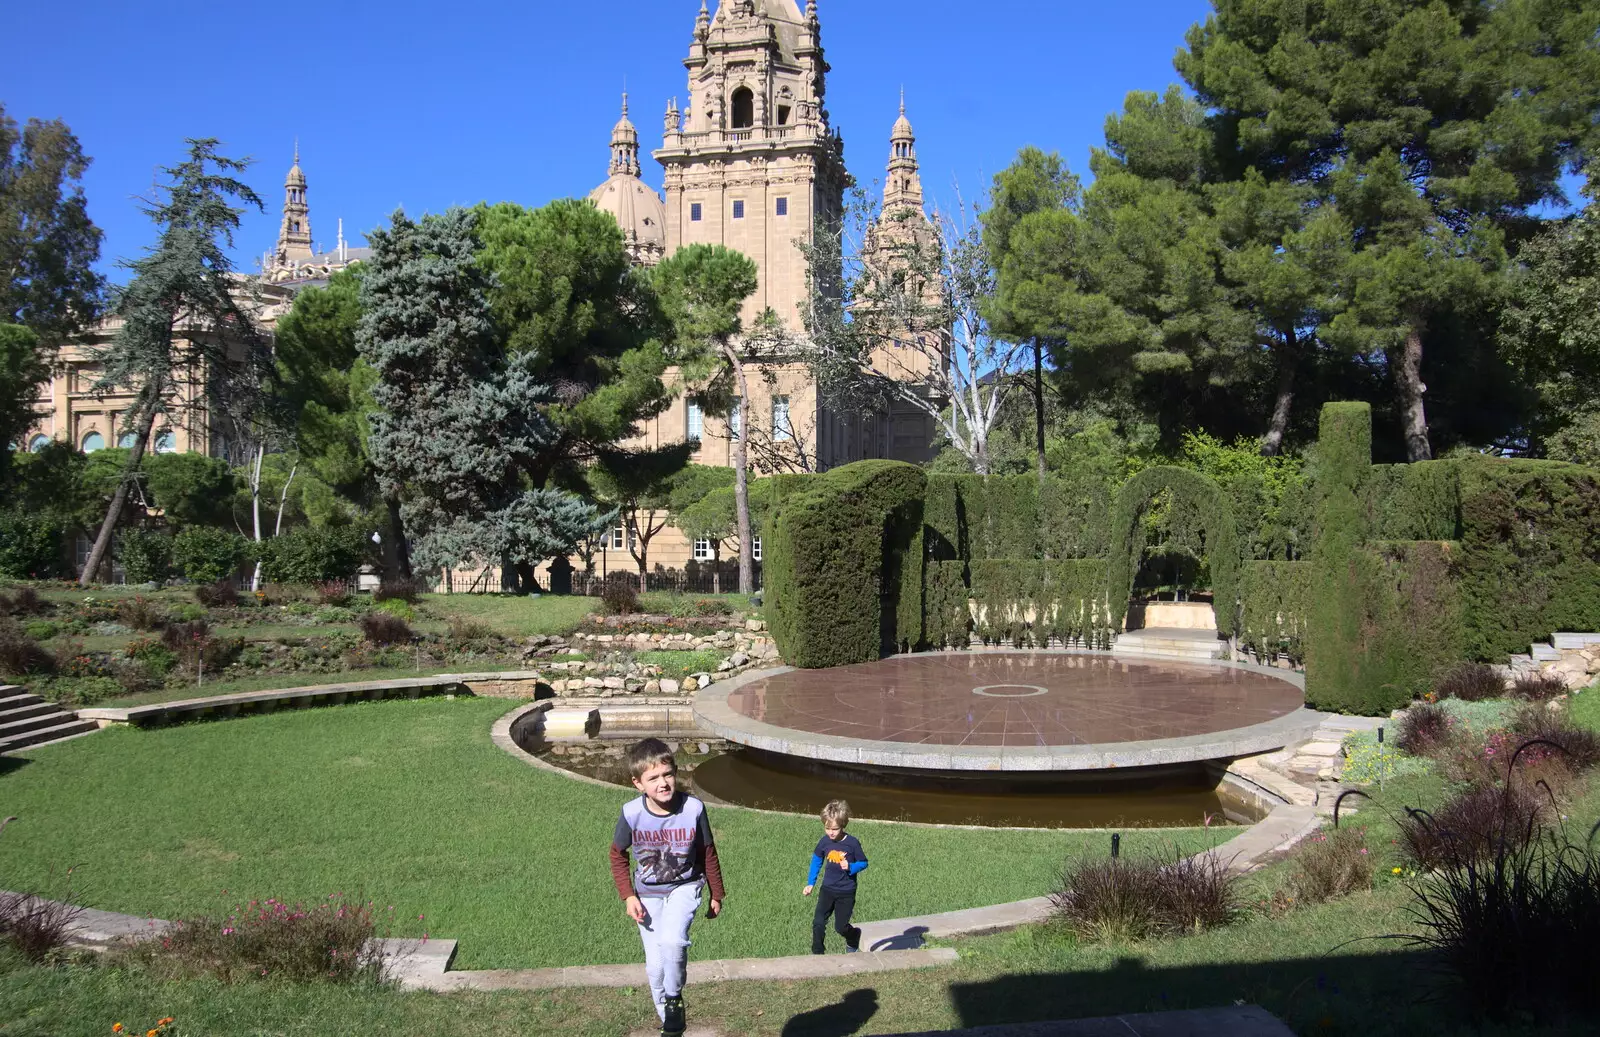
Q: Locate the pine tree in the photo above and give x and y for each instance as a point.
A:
(186, 333)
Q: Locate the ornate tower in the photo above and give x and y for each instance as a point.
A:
(636, 208)
(902, 187)
(294, 236)
(752, 163)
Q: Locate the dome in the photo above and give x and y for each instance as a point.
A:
(638, 211)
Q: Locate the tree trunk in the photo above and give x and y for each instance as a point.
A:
(397, 553)
(102, 543)
(255, 511)
(1272, 443)
(741, 478)
(1408, 378)
(1038, 403)
(525, 578)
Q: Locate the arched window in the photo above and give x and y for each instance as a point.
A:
(744, 108)
(127, 440)
(38, 443)
(92, 442)
(166, 442)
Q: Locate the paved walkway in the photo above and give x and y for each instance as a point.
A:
(1235, 1021)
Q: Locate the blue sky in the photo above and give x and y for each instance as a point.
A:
(426, 106)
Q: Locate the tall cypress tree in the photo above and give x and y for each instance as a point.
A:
(185, 334)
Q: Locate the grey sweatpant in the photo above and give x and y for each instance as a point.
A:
(665, 932)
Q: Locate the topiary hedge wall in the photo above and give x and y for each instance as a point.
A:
(1413, 501)
(1339, 529)
(1529, 563)
(1215, 517)
(1275, 597)
(837, 571)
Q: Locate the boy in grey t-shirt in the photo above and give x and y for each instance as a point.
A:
(674, 857)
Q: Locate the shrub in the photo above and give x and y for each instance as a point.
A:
(141, 613)
(619, 598)
(145, 554)
(1119, 900)
(1579, 746)
(41, 629)
(157, 657)
(218, 595)
(30, 547)
(270, 940)
(36, 927)
(1333, 863)
(1423, 729)
(333, 592)
(1480, 822)
(24, 601)
(843, 578)
(1538, 687)
(396, 590)
(1275, 599)
(206, 554)
(463, 628)
(380, 628)
(20, 654)
(1516, 926)
(397, 608)
(1471, 682)
(310, 556)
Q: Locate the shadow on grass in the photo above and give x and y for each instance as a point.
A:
(836, 1020)
(12, 763)
(1375, 994)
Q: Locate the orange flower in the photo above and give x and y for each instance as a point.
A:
(116, 1027)
(164, 1022)
(152, 1033)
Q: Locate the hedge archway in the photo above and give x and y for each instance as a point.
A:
(1216, 524)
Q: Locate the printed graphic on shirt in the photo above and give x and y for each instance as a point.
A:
(667, 850)
(660, 866)
(837, 857)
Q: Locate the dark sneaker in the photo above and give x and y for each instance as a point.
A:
(674, 1024)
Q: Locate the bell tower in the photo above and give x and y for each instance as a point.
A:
(751, 162)
(294, 235)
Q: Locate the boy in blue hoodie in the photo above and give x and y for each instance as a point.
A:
(838, 859)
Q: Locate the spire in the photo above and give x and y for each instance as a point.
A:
(903, 184)
(624, 144)
(294, 234)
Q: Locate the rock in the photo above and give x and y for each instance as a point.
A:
(724, 666)
(634, 687)
(739, 659)
(669, 686)
(592, 682)
(559, 750)
(652, 687)
(705, 680)
(755, 624)
(704, 749)
(614, 683)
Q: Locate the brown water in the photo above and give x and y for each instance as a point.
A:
(1159, 799)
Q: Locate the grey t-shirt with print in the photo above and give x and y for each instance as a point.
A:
(668, 851)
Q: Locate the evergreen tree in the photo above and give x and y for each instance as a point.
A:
(48, 244)
(186, 335)
(460, 436)
(22, 370)
(1433, 127)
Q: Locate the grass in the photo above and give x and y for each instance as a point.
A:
(411, 804)
(679, 665)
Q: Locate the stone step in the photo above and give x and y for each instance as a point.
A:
(1570, 642)
(10, 728)
(12, 701)
(37, 709)
(33, 739)
(1545, 654)
(1156, 651)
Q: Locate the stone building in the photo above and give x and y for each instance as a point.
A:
(753, 163)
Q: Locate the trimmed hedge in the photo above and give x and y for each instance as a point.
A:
(947, 618)
(1529, 563)
(1275, 597)
(1026, 602)
(1339, 528)
(982, 516)
(30, 547)
(1419, 501)
(1212, 512)
(308, 555)
(837, 573)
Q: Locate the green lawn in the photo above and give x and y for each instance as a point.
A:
(411, 804)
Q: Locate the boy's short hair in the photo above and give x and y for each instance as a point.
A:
(837, 812)
(651, 752)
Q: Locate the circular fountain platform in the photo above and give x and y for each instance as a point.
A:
(1011, 711)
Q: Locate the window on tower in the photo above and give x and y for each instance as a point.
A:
(782, 207)
(738, 210)
(783, 115)
(744, 108)
(696, 213)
